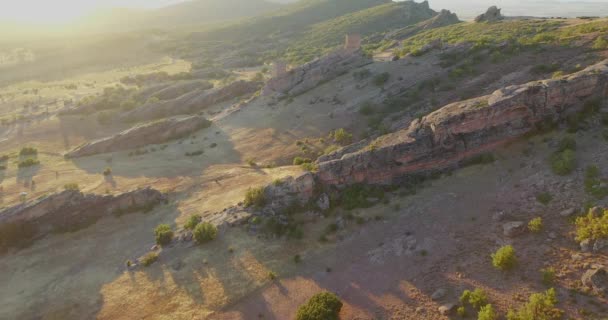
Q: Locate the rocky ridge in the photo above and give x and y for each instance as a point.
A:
(67, 211)
(314, 73)
(142, 135)
(461, 130)
(191, 102)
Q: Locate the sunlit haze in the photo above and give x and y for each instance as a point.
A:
(65, 11)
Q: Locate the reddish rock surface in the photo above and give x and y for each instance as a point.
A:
(464, 129)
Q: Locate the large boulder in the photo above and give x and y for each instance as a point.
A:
(142, 135)
(597, 279)
(448, 137)
(492, 14)
(290, 191)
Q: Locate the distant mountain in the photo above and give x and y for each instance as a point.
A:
(194, 12)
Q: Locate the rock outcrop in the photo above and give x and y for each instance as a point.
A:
(191, 102)
(459, 131)
(68, 211)
(142, 135)
(492, 14)
(597, 279)
(290, 191)
(444, 18)
(314, 73)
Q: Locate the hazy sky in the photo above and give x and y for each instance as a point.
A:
(54, 11)
(45, 11)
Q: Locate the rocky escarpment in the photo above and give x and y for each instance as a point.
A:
(68, 211)
(142, 135)
(444, 18)
(492, 14)
(464, 129)
(314, 73)
(191, 102)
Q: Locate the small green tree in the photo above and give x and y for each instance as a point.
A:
(504, 258)
(255, 197)
(192, 222)
(540, 306)
(164, 234)
(71, 187)
(322, 306)
(487, 313)
(476, 298)
(535, 225)
(205, 232)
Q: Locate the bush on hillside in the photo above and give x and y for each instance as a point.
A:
(563, 163)
(28, 151)
(536, 224)
(540, 306)
(255, 197)
(71, 187)
(504, 258)
(28, 163)
(204, 232)
(149, 259)
(380, 79)
(476, 298)
(592, 226)
(487, 313)
(322, 306)
(192, 222)
(164, 234)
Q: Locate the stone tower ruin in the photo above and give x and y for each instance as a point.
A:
(353, 42)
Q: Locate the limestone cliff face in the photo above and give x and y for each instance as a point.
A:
(142, 135)
(68, 210)
(314, 73)
(464, 129)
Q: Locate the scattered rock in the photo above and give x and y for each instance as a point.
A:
(446, 309)
(596, 279)
(600, 244)
(568, 212)
(513, 228)
(439, 294)
(323, 202)
(585, 245)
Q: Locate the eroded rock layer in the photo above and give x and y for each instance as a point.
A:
(314, 73)
(464, 129)
(192, 102)
(67, 211)
(143, 135)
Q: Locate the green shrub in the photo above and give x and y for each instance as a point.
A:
(476, 298)
(163, 234)
(309, 167)
(540, 306)
(192, 222)
(487, 313)
(566, 143)
(544, 198)
(536, 224)
(357, 196)
(251, 162)
(600, 43)
(149, 259)
(255, 197)
(107, 171)
(548, 276)
(367, 109)
(322, 306)
(71, 187)
(484, 158)
(592, 227)
(461, 311)
(504, 259)
(272, 276)
(28, 151)
(204, 232)
(297, 161)
(380, 79)
(342, 136)
(593, 183)
(563, 163)
(28, 163)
